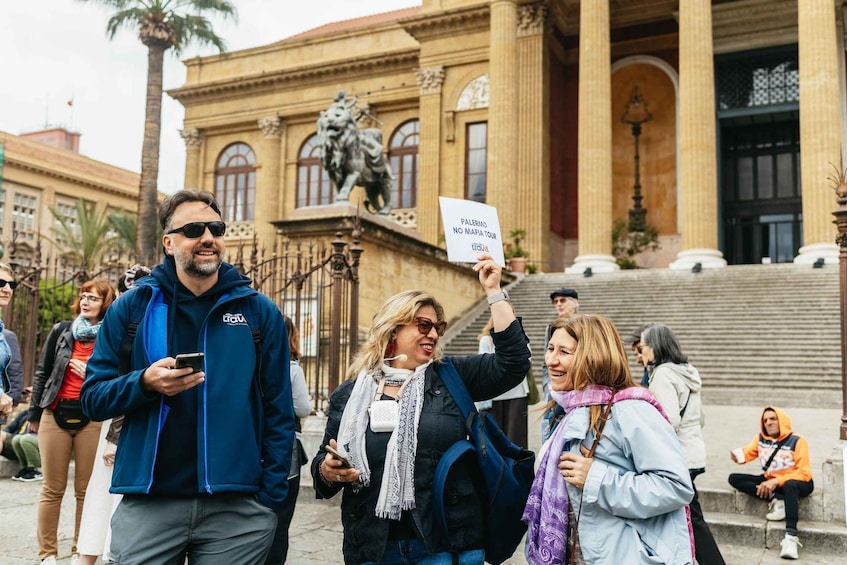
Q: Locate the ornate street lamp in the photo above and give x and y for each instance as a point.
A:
(636, 113)
(840, 181)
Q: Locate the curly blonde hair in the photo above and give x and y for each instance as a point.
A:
(399, 310)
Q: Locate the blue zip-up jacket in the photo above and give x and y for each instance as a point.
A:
(245, 434)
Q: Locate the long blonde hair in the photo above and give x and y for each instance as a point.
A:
(398, 310)
(599, 358)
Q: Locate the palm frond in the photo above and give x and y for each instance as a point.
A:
(123, 223)
(89, 240)
(129, 19)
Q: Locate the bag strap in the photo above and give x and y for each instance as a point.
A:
(137, 311)
(256, 333)
(779, 445)
(682, 412)
(458, 390)
(439, 480)
(451, 379)
(603, 418)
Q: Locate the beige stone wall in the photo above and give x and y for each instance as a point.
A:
(51, 175)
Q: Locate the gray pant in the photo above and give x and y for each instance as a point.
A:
(220, 529)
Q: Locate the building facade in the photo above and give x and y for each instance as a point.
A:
(42, 172)
(727, 116)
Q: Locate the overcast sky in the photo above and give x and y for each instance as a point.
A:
(54, 51)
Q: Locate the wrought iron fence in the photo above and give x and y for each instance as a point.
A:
(315, 283)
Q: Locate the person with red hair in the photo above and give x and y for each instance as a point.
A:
(56, 415)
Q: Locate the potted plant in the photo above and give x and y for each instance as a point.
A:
(515, 254)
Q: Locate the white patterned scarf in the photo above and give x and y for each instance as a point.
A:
(397, 490)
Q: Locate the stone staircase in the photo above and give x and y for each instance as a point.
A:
(749, 329)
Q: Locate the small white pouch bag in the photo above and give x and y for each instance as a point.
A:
(385, 414)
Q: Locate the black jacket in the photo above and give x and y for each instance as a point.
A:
(441, 425)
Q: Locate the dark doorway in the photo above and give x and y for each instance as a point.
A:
(760, 188)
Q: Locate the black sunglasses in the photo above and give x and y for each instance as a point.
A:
(425, 326)
(12, 284)
(193, 230)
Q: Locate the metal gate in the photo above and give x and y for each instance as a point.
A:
(315, 283)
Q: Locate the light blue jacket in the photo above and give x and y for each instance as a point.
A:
(635, 495)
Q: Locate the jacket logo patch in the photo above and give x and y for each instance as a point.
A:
(234, 319)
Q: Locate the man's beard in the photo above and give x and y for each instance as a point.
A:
(185, 260)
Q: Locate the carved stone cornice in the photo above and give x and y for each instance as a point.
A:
(63, 176)
(192, 137)
(622, 13)
(430, 79)
(272, 127)
(532, 19)
(434, 25)
(752, 24)
(396, 61)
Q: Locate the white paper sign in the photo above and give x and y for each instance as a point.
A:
(471, 228)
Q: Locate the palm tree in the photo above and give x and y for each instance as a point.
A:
(161, 25)
(87, 239)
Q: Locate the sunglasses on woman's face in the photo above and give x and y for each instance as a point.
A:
(193, 230)
(425, 326)
(12, 284)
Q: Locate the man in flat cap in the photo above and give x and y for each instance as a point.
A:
(566, 302)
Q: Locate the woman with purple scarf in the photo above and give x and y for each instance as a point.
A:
(622, 498)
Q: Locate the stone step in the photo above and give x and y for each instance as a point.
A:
(8, 468)
(738, 529)
(730, 501)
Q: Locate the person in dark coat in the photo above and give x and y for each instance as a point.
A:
(394, 418)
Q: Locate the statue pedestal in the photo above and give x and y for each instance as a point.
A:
(395, 258)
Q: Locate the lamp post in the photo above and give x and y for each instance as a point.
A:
(636, 113)
(841, 222)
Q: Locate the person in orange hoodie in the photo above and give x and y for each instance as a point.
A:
(784, 456)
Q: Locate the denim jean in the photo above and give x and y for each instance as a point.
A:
(404, 552)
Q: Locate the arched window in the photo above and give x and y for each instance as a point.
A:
(403, 153)
(235, 182)
(313, 185)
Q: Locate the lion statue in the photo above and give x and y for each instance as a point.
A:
(353, 157)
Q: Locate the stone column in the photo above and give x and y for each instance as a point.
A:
(594, 169)
(533, 205)
(820, 142)
(429, 157)
(193, 139)
(501, 189)
(698, 168)
(268, 181)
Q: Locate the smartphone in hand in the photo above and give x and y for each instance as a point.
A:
(193, 360)
(344, 461)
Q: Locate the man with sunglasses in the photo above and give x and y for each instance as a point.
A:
(195, 484)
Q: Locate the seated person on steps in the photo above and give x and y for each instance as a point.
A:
(784, 457)
(20, 444)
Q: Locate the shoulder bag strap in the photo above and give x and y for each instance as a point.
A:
(682, 412)
(775, 451)
(603, 418)
(458, 390)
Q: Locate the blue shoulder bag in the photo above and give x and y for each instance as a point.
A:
(506, 469)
